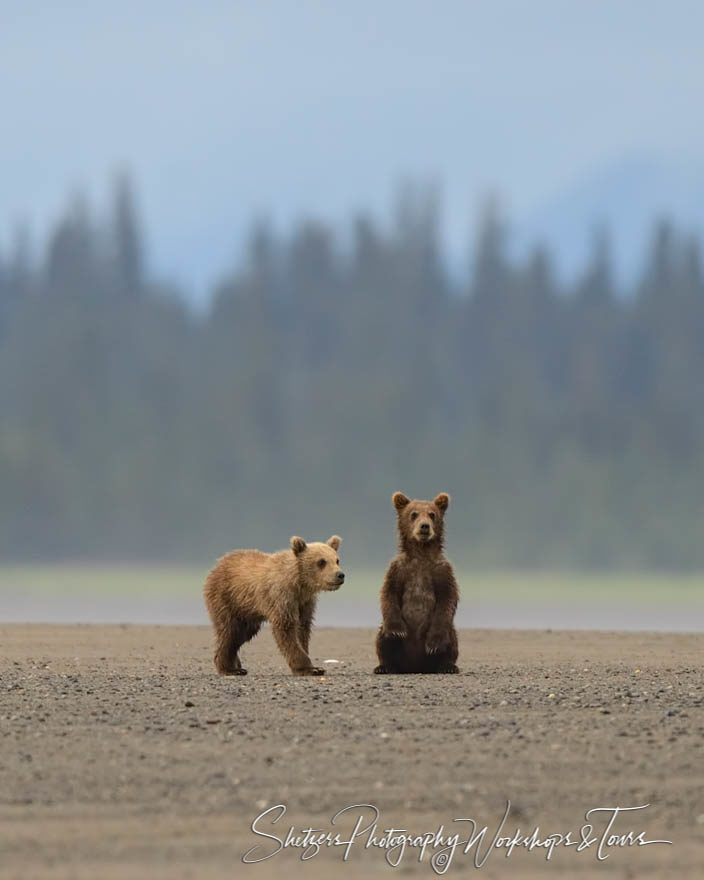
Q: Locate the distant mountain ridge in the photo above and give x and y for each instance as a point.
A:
(627, 197)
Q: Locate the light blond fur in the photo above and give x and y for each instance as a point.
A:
(247, 587)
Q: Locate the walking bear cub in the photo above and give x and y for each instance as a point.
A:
(247, 587)
(419, 596)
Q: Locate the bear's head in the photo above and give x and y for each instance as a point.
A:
(319, 564)
(420, 523)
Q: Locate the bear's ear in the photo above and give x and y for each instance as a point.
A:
(442, 501)
(298, 545)
(399, 500)
(335, 541)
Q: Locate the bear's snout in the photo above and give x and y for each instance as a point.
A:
(424, 531)
(339, 580)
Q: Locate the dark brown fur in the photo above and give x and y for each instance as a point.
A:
(247, 587)
(419, 596)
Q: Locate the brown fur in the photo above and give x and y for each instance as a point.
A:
(419, 596)
(247, 587)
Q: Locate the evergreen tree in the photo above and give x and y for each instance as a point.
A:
(568, 419)
(128, 245)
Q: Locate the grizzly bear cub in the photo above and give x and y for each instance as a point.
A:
(247, 587)
(419, 596)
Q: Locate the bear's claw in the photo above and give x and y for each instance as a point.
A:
(435, 646)
(396, 633)
(309, 670)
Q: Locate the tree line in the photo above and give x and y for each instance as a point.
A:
(566, 419)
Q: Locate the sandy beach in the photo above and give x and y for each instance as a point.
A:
(123, 755)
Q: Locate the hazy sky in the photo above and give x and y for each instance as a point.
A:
(223, 110)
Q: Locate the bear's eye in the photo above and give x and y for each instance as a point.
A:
(414, 516)
(337, 562)
(432, 516)
(321, 563)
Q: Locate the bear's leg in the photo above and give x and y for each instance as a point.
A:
(230, 638)
(285, 632)
(245, 630)
(445, 661)
(226, 660)
(305, 615)
(389, 650)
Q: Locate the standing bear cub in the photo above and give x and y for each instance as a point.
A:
(419, 596)
(247, 587)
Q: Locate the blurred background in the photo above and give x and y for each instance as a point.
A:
(262, 264)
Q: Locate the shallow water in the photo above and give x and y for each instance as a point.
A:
(18, 606)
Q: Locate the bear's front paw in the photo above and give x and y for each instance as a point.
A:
(309, 670)
(380, 669)
(395, 630)
(436, 643)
